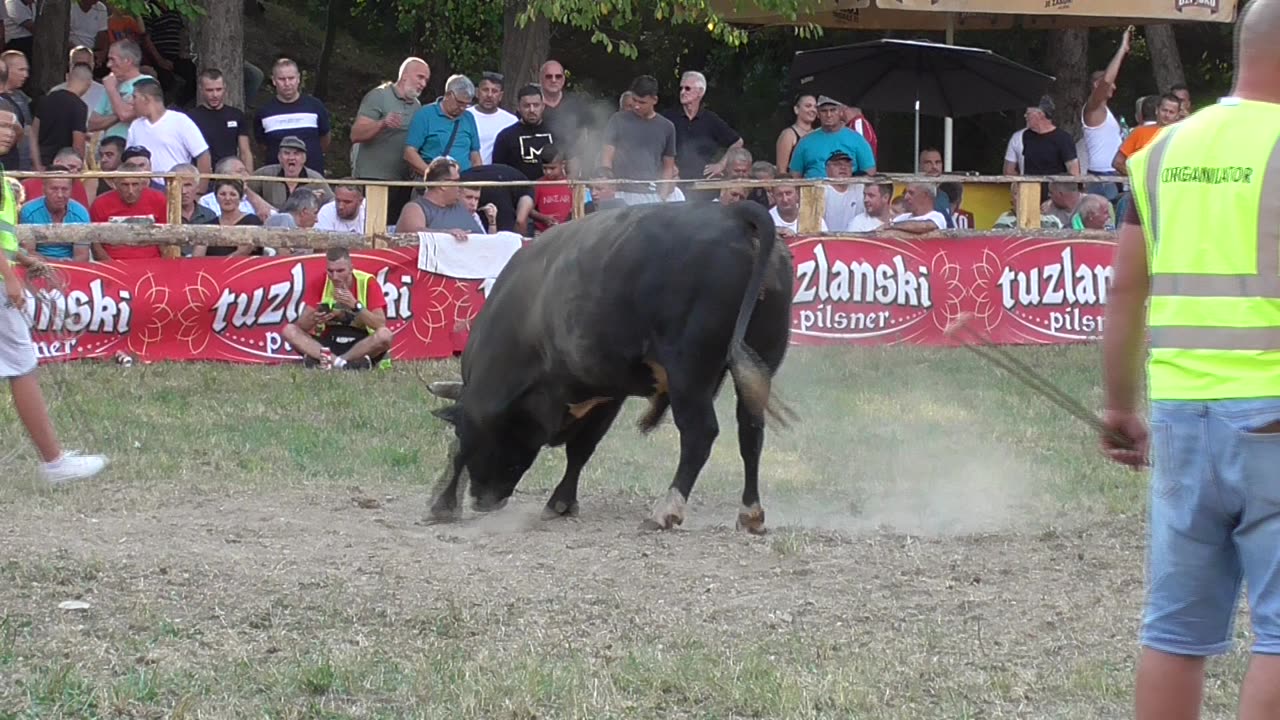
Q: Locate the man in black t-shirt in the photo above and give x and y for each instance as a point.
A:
(60, 119)
(521, 145)
(514, 202)
(225, 128)
(1046, 148)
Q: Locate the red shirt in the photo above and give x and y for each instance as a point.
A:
(554, 200)
(374, 299)
(34, 188)
(109, 207)
(862, 126)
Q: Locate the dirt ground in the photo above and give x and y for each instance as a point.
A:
(1029, 624)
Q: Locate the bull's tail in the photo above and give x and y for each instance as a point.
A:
(751, 377)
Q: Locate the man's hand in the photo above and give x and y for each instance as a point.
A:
(490, 211)
(713, 170)
(344, 297)
(1126, 39)
(111, 82)
(13, 291)
(394, 120)
(1128, 424)
(459, 235)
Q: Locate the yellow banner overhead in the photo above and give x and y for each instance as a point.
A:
(1172, 10)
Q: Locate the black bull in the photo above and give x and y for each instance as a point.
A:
(655, 301)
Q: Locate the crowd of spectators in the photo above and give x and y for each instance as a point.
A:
(133, 100)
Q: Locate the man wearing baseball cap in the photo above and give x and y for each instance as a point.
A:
(809, 159)
(292, 168)
(844, 200)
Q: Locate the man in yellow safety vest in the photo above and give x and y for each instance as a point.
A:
(343, 324)
(1199, 256)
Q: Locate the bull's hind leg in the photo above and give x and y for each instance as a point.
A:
(750, 444)
(578, 449)
(694, 411)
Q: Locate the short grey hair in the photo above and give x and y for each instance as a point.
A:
(928, 188)
(404, 66)
(1093, 203)
(66, 152)
(299, 200)
(224, 165)
(736, 155)
(698, 78)
(186, 169)
(622, 99)
(129, 49)
(460, 86)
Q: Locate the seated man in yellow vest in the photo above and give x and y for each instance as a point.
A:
(344, 320)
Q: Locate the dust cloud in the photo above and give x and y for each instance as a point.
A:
(948, 476)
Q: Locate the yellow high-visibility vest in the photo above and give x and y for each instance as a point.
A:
(1208, 192)
(8, 221)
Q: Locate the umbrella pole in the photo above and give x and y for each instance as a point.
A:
(917, 155)
(948, 127)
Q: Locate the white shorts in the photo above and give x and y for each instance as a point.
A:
(17, 353)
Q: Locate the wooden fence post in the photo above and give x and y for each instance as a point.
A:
(375, 211)
(1028, 208)
(813, 206)
(579, 200)
(173, 212)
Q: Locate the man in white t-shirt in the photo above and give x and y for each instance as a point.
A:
(844, 200)
(1014, 163)
(920, 217)
(344, 213)
(786, 210)
(491, 119)
(878, 201)
(172, 137)
(88, 25)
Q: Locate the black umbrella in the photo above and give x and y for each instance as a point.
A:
(919, 77)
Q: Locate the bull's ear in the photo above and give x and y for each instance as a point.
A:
(451, 414)
(447, 389)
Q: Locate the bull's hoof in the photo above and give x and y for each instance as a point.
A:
(559, 508)
(751, 519)
(668, 513)
(443, 514)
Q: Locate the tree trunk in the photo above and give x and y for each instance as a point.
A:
(1164, 56)
(336, 9)
(523, 49)
(220, 44)
(1068, 50)
(49, 64)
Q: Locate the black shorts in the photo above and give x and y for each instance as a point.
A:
(339, 339)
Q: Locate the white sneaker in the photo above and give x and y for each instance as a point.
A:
(72, 467)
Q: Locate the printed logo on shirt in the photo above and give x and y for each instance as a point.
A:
(530, 151)
(233, 123)
(291, 121)
(1213, 6)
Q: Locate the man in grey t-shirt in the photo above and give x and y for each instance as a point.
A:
(440, 207)
(641, 145)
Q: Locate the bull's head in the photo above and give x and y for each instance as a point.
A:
(494, 454)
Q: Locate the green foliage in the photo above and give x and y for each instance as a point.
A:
(190, 9)
(607, 20)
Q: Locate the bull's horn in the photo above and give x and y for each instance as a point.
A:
(447, 389)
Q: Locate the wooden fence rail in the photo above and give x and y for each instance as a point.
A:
(812, 203)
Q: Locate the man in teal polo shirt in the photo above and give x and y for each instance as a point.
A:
(809, 159)
(445, 128)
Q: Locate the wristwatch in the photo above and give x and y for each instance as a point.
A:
(359, 307)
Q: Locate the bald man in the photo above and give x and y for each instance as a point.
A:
(381, 127)
(1197, 275)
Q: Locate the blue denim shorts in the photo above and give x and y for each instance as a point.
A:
(1214, 523)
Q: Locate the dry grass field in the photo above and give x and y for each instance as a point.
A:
(943, 545)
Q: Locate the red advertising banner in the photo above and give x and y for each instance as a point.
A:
(855, 291)
(848, 291)
(235, 310)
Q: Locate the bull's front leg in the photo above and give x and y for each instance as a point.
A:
(695, 417)
(445, 508)
(578, 450)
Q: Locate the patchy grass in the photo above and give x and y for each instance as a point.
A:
(944, 545)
